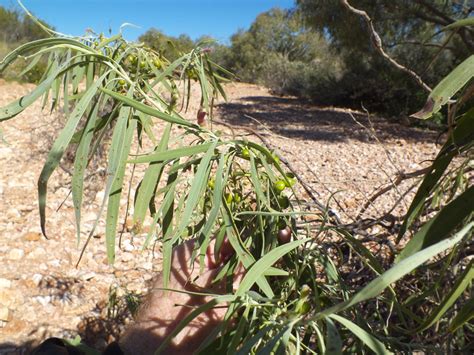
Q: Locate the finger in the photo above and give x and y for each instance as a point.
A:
(226, 251)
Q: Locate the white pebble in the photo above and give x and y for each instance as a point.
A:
(16, 254)
(43, 300)
(37, 279)
(5, 283)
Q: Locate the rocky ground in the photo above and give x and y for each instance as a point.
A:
(342, 155)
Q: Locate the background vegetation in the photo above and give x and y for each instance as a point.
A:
(410, 32)
(319, 51)
(15, 29)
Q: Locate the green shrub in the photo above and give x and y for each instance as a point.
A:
(16, 71)
(315, 81)
(16, 29)
(168, 46)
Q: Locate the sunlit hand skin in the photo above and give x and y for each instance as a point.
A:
(163, 310)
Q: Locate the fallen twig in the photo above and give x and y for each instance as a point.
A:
(401, 176)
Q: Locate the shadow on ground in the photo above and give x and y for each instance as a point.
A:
(102, 326)
(297, 119)
(16, 349)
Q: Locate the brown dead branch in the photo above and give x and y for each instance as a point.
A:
(400, 177)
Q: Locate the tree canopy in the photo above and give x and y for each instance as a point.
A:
(400, 23)
(411, 31)
(170, 47)
(276, 32)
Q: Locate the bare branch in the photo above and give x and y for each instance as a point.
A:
(401, 176)
(377, 42)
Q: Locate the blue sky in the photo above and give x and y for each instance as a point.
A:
(218, 18)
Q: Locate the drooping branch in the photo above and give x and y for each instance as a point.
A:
(377, 42)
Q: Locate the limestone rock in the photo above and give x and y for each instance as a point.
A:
(16, 254)
(10, 297)
(5, 283)
(5, 314)
(13, 213)
(37, 278)
(37, 254)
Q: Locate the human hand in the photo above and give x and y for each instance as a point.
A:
(163, 310)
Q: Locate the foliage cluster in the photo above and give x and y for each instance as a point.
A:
(277, 51)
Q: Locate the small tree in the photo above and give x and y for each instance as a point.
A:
(170, 47)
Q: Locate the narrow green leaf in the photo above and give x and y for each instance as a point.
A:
(249, 344)
(446, 89)
(148, 109)
(172, 154)
(333, 339)
(263, 264)
(150, 180)
(219, 181)
(440, 226)
(270, 346)
(457, 289)
(273, 271)
(465, 314)
(203, 82)
(167, 221)
(257, 184)
(78, 74)
(57, 150)
(194, 195)
(80, 164)
(239, 332)
(116, 189)
(460, 23)
(245, 257)
(199, 182)
(368, 339)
